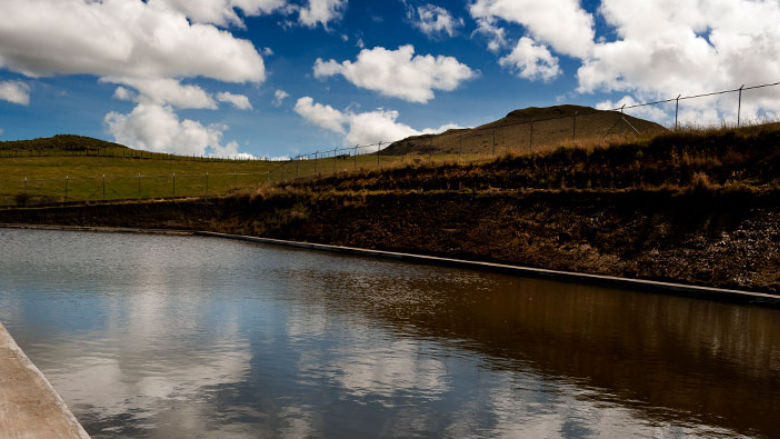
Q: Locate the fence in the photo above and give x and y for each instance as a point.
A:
(522, 132)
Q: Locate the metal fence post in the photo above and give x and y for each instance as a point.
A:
(676, 112)
(316, 156)
(739, 104)
(356, 152)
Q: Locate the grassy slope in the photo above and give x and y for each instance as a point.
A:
(554, 126)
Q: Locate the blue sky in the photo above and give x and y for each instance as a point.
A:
(113, 75)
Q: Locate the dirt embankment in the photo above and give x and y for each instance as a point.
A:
(698, 237)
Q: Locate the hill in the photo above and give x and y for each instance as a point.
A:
(530, 130)
(60, 142)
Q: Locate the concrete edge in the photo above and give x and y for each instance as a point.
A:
(695, 291)
(44, 384)
(701, 292)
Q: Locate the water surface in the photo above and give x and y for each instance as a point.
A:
(183, 337)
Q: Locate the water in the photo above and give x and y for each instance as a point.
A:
(181, 337)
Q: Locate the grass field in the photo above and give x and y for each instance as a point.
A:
(73, 168)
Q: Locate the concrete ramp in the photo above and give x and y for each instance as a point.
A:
(30, 408)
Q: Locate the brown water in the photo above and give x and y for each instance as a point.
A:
(174, 337)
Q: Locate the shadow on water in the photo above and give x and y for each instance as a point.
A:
(668, 358)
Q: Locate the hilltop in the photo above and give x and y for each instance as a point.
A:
(61, 142)
(552, 126)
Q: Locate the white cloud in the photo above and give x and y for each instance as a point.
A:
(124, 94)
(136, 39)
(360, 128)
(323, 116)
(267, 51)
(398, 73)
(162, 92)
(279, 97)
(562, 24)
(497, 35)
(239, 101)
(321, 12)
(689, 47)
(654, 113)
(360, 44)
(223, 12)
(16, 92)
(434, 20)
(532, 61)
(154, 127)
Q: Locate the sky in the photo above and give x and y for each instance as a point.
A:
(276, 78)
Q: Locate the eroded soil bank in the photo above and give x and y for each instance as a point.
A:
(729, 240)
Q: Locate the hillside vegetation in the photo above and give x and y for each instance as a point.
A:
(516, 133)
(725, 158)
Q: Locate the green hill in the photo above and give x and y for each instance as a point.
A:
(60, 142)
(531, 130)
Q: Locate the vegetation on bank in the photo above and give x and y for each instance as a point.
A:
(714, 159)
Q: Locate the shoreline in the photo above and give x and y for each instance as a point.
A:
(643, 285)
(29, 406)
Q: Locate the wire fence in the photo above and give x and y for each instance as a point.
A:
(522, 131)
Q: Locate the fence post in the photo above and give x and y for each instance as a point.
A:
(739, 103)
(139, 185)
(316, 157)
(174, 184)
(297, 166)
(207, 183)
(356, 152)
(103, 184)
(676, 112)
(335, 153)
(378, 153)
(25, 185)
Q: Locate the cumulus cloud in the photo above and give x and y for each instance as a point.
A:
(532, 61)
(155, 127)
(279, 97)
(399, 73)
(137, 39)
(163, 91)
(690, 47)
(16, 92)
(223, 12)
(237, 100)
(654, 113)
(434, 20)
(360, 128)
(320, 12)
(495, 34)
(562, 24)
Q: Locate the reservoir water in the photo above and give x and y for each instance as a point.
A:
(181, 337)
